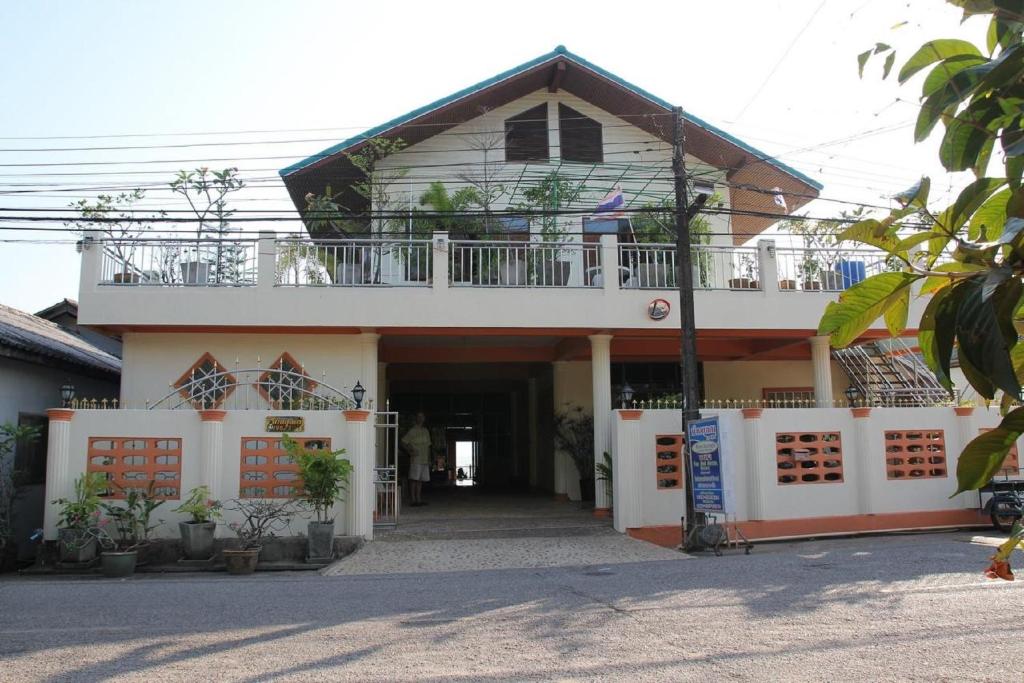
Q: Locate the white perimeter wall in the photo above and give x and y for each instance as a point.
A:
(186, 425)
(864, 489)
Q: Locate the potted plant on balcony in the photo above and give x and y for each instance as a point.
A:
(325, 475)
(547, 197)
(655, 224)
(130, 521)
(207, 195)
(114, 220)
(260, 518)
(78, 519)
(745, 269)
(198, 532)
(574, 435)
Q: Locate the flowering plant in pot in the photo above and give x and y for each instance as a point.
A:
(325, 476)
(130, 521)
(261, 518)
(78, 519)
(197, 533)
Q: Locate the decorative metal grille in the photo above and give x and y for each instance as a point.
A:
(668, 461)
(267, 471)
(285, 383)
(915, 454)
(254, 389)
(809, 457)
(206, 384)
(131, 463)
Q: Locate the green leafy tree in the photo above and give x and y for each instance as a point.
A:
(10, 436)
(207, 193)
(966, 258)
(450, 209)
(116, 220)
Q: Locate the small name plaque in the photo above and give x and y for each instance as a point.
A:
(285, 423)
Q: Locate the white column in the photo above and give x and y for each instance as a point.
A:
(768, 269)
(266, 260)
(627, 471)
(755, 455)
(821, 360)
(862, 465)
(359, 500)
(558, 371)
(610, 263)
(368, 368)
(966, 431)
(211, 452)
(59, 476)
(601, 374)
(439, 267)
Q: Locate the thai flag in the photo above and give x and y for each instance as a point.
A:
(612, 205)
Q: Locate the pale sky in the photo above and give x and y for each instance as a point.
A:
(780, 75)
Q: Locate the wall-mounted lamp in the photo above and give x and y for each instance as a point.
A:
(67, 393)
(626, 394)
(358, 394)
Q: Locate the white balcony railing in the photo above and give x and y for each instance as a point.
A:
(353, 263)
(828, 270)
(164, 262)
(653, 266)
(524, 264)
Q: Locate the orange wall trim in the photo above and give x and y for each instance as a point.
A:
(670, 536)
(603, 513)
(60, 414)
(356, 415)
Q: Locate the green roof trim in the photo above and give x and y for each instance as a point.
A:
(559, 51)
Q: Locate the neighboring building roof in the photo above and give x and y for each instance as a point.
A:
(29, 337)
(62, 307)
(561, 69)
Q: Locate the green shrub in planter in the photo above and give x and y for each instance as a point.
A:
(325, 475)
(197, 533)
(78, 519)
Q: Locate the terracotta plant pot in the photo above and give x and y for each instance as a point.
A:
(126, 278)
(116, 565)
(812, 286)
(241, 561)
(742, 283)
(787, 284)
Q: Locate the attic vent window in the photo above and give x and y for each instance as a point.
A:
(579, 136)
(526, 135)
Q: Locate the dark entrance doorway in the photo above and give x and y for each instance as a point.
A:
(500, 413)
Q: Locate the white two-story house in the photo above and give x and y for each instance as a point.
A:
(496, 258)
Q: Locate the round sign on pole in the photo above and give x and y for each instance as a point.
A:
(658, 309)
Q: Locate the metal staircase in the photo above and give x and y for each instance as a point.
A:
(890, 373)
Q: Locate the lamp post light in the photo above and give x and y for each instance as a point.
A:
(852, 394)
(626, 394)
(67, 394)
(358, 394)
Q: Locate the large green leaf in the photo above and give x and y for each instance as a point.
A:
(989, 218)
(981, 335)
(967, 202)
(1012, 138)
(935, 335)
(861, 305)
(984, 455)
(916, 195)
(935, 51)
(940, 75)
(966, 135)
(945, 101)
(934, 283)
(870, 232)
(896, 315)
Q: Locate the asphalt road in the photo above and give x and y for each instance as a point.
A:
(894, 608)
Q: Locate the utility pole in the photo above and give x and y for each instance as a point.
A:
(687, 325)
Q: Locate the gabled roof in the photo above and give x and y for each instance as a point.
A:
(31, 338)
(746, 165)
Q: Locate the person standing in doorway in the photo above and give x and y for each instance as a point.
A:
(417, 442)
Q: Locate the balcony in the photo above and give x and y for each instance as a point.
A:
(411, 283)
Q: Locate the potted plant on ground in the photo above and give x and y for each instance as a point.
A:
(574, 434)
(130, 520)
(261, 518)
(78, 519)
(325, 476)
(197, 533)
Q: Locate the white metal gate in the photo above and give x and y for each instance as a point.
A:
(385, 473)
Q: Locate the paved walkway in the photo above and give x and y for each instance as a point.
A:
(465, 530)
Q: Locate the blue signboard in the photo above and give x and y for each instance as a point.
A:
(703, 443)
